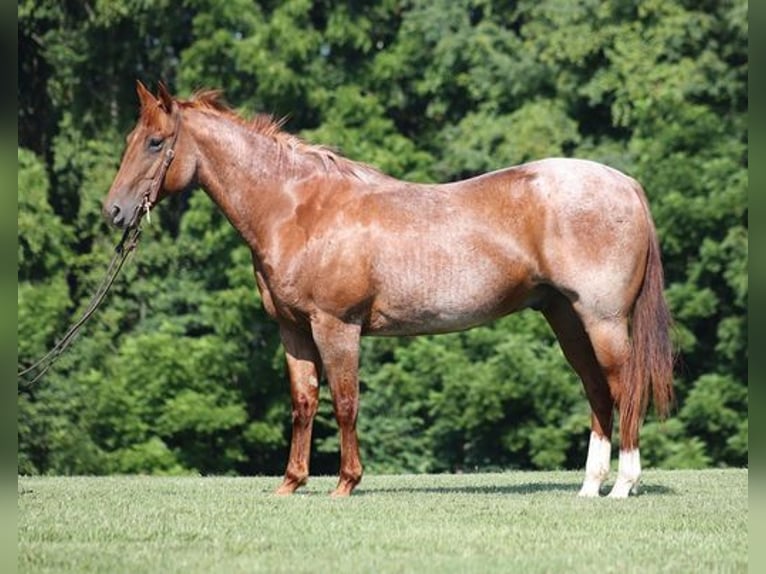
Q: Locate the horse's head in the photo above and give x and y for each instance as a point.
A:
(154, 163)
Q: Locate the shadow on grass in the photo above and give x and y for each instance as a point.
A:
(530, 488)
(511, 489)
(656, 489)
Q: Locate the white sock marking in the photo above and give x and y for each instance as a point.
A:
(628, 474)
(597, 464)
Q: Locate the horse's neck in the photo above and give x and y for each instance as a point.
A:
(244, 172)
(253, 178)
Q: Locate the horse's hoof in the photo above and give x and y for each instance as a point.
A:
(590, 490)
(623, 488)
(290, 485)
(344, 488)
(338, 493)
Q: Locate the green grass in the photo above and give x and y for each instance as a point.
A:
(683, 521)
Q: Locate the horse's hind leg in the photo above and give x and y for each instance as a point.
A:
(304, 369)
(612, 346)
(579, 351)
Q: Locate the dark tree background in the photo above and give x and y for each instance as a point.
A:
(181, 371)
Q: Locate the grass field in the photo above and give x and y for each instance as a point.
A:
(683, 521)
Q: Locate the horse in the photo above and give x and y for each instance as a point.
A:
(341, 250)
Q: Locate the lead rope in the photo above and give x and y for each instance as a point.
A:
(126, 245)
(123, 249)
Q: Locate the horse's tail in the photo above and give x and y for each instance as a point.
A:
(652, 357)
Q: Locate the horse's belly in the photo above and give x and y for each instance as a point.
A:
(434, 298)
(385, 324)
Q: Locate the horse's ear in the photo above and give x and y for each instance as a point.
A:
(166, 100)
(144, 95)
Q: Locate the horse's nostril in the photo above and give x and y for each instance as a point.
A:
(115, 214)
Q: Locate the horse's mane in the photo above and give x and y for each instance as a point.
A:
(271, 127)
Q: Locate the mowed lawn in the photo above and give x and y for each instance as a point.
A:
(683, 521)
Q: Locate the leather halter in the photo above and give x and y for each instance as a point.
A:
(150, 197)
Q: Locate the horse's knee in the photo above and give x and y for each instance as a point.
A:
(304, 407)
(346, 410)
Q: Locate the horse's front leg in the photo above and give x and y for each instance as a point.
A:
(338, 344)
(305, 369)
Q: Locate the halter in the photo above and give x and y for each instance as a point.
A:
(150, 197)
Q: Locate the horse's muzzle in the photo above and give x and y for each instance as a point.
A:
(120, 215)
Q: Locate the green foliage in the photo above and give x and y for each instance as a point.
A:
(358, 121)
(482, 140)
(181, 370)
(42, 236)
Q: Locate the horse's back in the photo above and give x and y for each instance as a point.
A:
(559, 182)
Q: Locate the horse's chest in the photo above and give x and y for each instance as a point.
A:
(280, 298)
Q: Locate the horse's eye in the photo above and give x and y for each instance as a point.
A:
(155, 143)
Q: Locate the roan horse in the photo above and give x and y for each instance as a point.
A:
(342, 250)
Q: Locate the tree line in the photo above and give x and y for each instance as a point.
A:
(181, 371)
